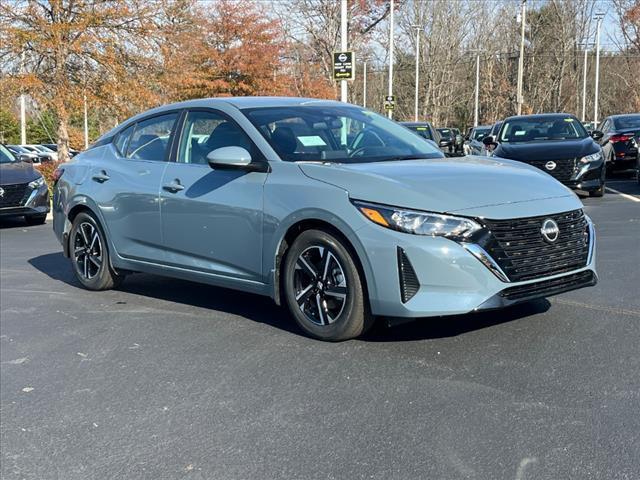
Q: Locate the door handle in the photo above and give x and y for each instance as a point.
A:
(174, 186)
(101, 177)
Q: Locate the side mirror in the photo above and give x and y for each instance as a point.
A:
(489, 140)
(234, 158)
(25, 158)
(466, 138)
(597, 134)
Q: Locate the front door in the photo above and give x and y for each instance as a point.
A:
(212, 219)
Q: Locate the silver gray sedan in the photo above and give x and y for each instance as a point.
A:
(334, 210)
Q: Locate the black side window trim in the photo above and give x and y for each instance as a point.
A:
(182, 120)
(167, 154)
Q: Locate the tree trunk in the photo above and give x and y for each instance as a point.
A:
(63, 132)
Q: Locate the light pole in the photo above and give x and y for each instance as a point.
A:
(599, 16)
(364, 84)
(584, 81)
(343, 45)
(477, 92)
(520, 99)
(23, 113)
(84, 98)
(417, 28)
(390, 111)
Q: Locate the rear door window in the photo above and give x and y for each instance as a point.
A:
(151, 138)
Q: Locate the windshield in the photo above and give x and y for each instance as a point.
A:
(5, 155)
(338, 134)
(424, 132)
(445, 133)
(479, 133)
(541, 129)
(623, 123)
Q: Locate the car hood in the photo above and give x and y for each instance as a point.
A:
(549, 150)
(17, 172)
(440, 185)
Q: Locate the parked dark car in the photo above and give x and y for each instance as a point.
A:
(620, 140)
(447, 140)
(458, 146)
(54, 146)
(23, 190)
(474, 145)
(556, 143)
(425, 130)
(493, 133)
(23, 154)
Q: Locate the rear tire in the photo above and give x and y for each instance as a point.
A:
(36, 219)
(324, 289)
(90, 254)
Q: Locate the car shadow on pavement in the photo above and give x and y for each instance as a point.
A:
(263, 310)
(257, 308)
(442, 327)
(56, 266)
(13, 222)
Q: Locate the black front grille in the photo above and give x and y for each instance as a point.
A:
(547, 288)
(12, 195)
(522, 253)
(409, 284)
(563, 171)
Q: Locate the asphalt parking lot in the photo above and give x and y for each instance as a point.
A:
(170, 379)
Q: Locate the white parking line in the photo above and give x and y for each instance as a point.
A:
(625, 195)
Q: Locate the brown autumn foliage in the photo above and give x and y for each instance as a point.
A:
(128, 55)
(230, 50)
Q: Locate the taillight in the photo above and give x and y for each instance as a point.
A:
(620, 138)
(57, 173)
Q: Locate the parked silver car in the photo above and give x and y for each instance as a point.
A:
(332, 209)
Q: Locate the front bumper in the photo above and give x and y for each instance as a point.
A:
(588, 177)
(36, 203)
(452, 280)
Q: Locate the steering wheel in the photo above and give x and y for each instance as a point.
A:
(359, 150)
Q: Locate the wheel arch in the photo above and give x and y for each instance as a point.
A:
(85, 204)
(345, 234)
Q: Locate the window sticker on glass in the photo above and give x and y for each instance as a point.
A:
(519, 133)
(421, 129)
(312, 141)
(568, 120)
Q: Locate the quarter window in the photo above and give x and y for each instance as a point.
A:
(205, 131)
(150, 140)
(122, 139)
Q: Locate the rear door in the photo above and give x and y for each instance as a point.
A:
(127, 185)
(212, 219)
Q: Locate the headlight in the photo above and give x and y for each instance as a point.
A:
(37, 183)
(418, 223)
(594, 157)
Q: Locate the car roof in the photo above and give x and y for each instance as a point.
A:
(244, 102)
(620, 115)
(539, 116)
(415, 124)
(238, 102)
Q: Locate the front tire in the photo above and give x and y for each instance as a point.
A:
(597, 193)
(324, 289)
(90, 255)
